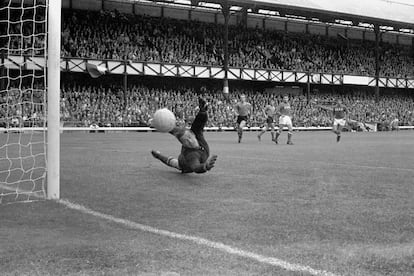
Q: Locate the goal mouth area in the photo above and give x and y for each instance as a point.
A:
(29, 69)
(13, 193)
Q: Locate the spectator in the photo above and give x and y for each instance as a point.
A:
(112, 35)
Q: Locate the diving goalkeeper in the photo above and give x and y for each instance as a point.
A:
(195, 153)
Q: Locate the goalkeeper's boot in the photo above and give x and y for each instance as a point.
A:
(338, 138)
(169, 161)
(156, 154)
(202, 104)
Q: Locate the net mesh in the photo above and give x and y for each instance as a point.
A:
(23, 52)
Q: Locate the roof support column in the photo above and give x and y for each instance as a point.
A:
(308, 86)
(412, 45)
(225, 9)
(377, 61)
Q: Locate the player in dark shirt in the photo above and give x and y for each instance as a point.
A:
(339, 112)
(243, 110)
(269, 112)
(195, 152)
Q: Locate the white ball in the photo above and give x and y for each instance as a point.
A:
(163, 120)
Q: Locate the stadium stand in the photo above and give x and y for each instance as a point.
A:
(117, 36)
(106, 106)
(112, 35)
(103, 102)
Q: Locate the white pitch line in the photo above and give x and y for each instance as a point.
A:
(326, 163)
(201, 241)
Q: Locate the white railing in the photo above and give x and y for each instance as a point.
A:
(149, 129)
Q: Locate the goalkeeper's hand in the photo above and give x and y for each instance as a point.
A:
(210, 162)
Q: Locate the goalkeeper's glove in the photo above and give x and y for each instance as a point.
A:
(210, 162)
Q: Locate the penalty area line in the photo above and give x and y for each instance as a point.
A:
(198, 240)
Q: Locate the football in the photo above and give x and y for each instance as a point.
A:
(163, 120)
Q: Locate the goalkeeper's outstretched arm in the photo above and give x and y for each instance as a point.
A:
(198, 167)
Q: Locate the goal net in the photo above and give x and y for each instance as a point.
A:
(23, 100)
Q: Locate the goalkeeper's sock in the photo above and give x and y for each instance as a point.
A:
(338, 137)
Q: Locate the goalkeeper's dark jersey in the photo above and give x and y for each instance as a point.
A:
(190, 155)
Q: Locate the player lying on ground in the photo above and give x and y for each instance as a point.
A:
(339, 112)
(195, 152)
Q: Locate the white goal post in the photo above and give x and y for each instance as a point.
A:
(30, 37)
(53, 99)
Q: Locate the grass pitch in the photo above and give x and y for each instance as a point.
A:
(346, 208)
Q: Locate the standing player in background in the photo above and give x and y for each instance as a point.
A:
(179, 115)
(284, 111)
(269, 112)
(243, 110)
(339, 112)
(394, 123)
(195, 151)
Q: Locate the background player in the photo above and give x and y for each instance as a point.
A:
(269, 112)
(284, 111)
(195, 151)
(394, 124)
(339, 112)
(243, 110)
